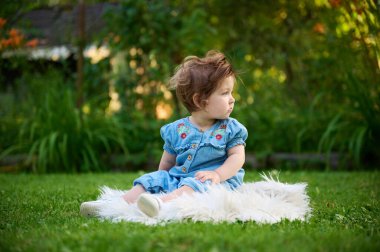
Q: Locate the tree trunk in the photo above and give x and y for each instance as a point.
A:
(81, 43)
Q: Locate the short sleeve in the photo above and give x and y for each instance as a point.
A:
(238, 134)
(167, 135)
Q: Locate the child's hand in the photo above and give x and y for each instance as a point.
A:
(208, 175)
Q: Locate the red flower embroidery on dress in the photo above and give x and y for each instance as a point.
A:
(183, 130)
(220, 132)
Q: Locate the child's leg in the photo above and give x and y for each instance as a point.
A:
(153, 182)
(132, 195)
(151, 205)
(176, 193)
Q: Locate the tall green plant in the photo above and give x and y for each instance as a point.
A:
(356, 129)
(57, 138)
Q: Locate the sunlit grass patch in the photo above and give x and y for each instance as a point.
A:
(41, 213)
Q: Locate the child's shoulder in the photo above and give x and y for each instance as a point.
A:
(236, 129)
(232, 123)
(173, 130)
(173, 125)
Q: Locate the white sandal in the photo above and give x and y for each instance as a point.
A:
(91, 208)
(149, 204)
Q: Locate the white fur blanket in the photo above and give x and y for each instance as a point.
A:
(267, 201)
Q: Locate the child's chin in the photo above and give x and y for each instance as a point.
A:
(224, 117)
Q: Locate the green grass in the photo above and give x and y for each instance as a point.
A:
(41, 213)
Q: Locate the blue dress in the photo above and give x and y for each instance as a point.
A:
(195, 151)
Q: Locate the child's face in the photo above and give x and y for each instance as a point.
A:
(221, 102)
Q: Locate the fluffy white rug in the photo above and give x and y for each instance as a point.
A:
(267, 201)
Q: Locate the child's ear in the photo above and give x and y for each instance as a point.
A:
(197, 101)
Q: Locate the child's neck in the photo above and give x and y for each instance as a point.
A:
(202, 122)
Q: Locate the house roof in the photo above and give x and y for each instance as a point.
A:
(59, 25)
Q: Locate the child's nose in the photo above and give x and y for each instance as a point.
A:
(232, 99)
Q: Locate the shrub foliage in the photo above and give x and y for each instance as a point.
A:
(308, 82)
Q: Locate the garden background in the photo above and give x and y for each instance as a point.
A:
(83, 93)
(308, 80)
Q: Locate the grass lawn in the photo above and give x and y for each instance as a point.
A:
(41, 213)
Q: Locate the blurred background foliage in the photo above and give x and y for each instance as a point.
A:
(309, 75)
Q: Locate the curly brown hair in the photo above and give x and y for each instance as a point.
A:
(200, 76)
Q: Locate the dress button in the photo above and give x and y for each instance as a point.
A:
(184, 169)
(194, 146)
(189, 157)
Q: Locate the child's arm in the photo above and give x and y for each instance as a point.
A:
(167, 161)
(234, 162)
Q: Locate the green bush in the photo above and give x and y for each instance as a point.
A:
(59, 137)
(309, 71)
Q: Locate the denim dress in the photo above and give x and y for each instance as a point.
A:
(195, 151)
